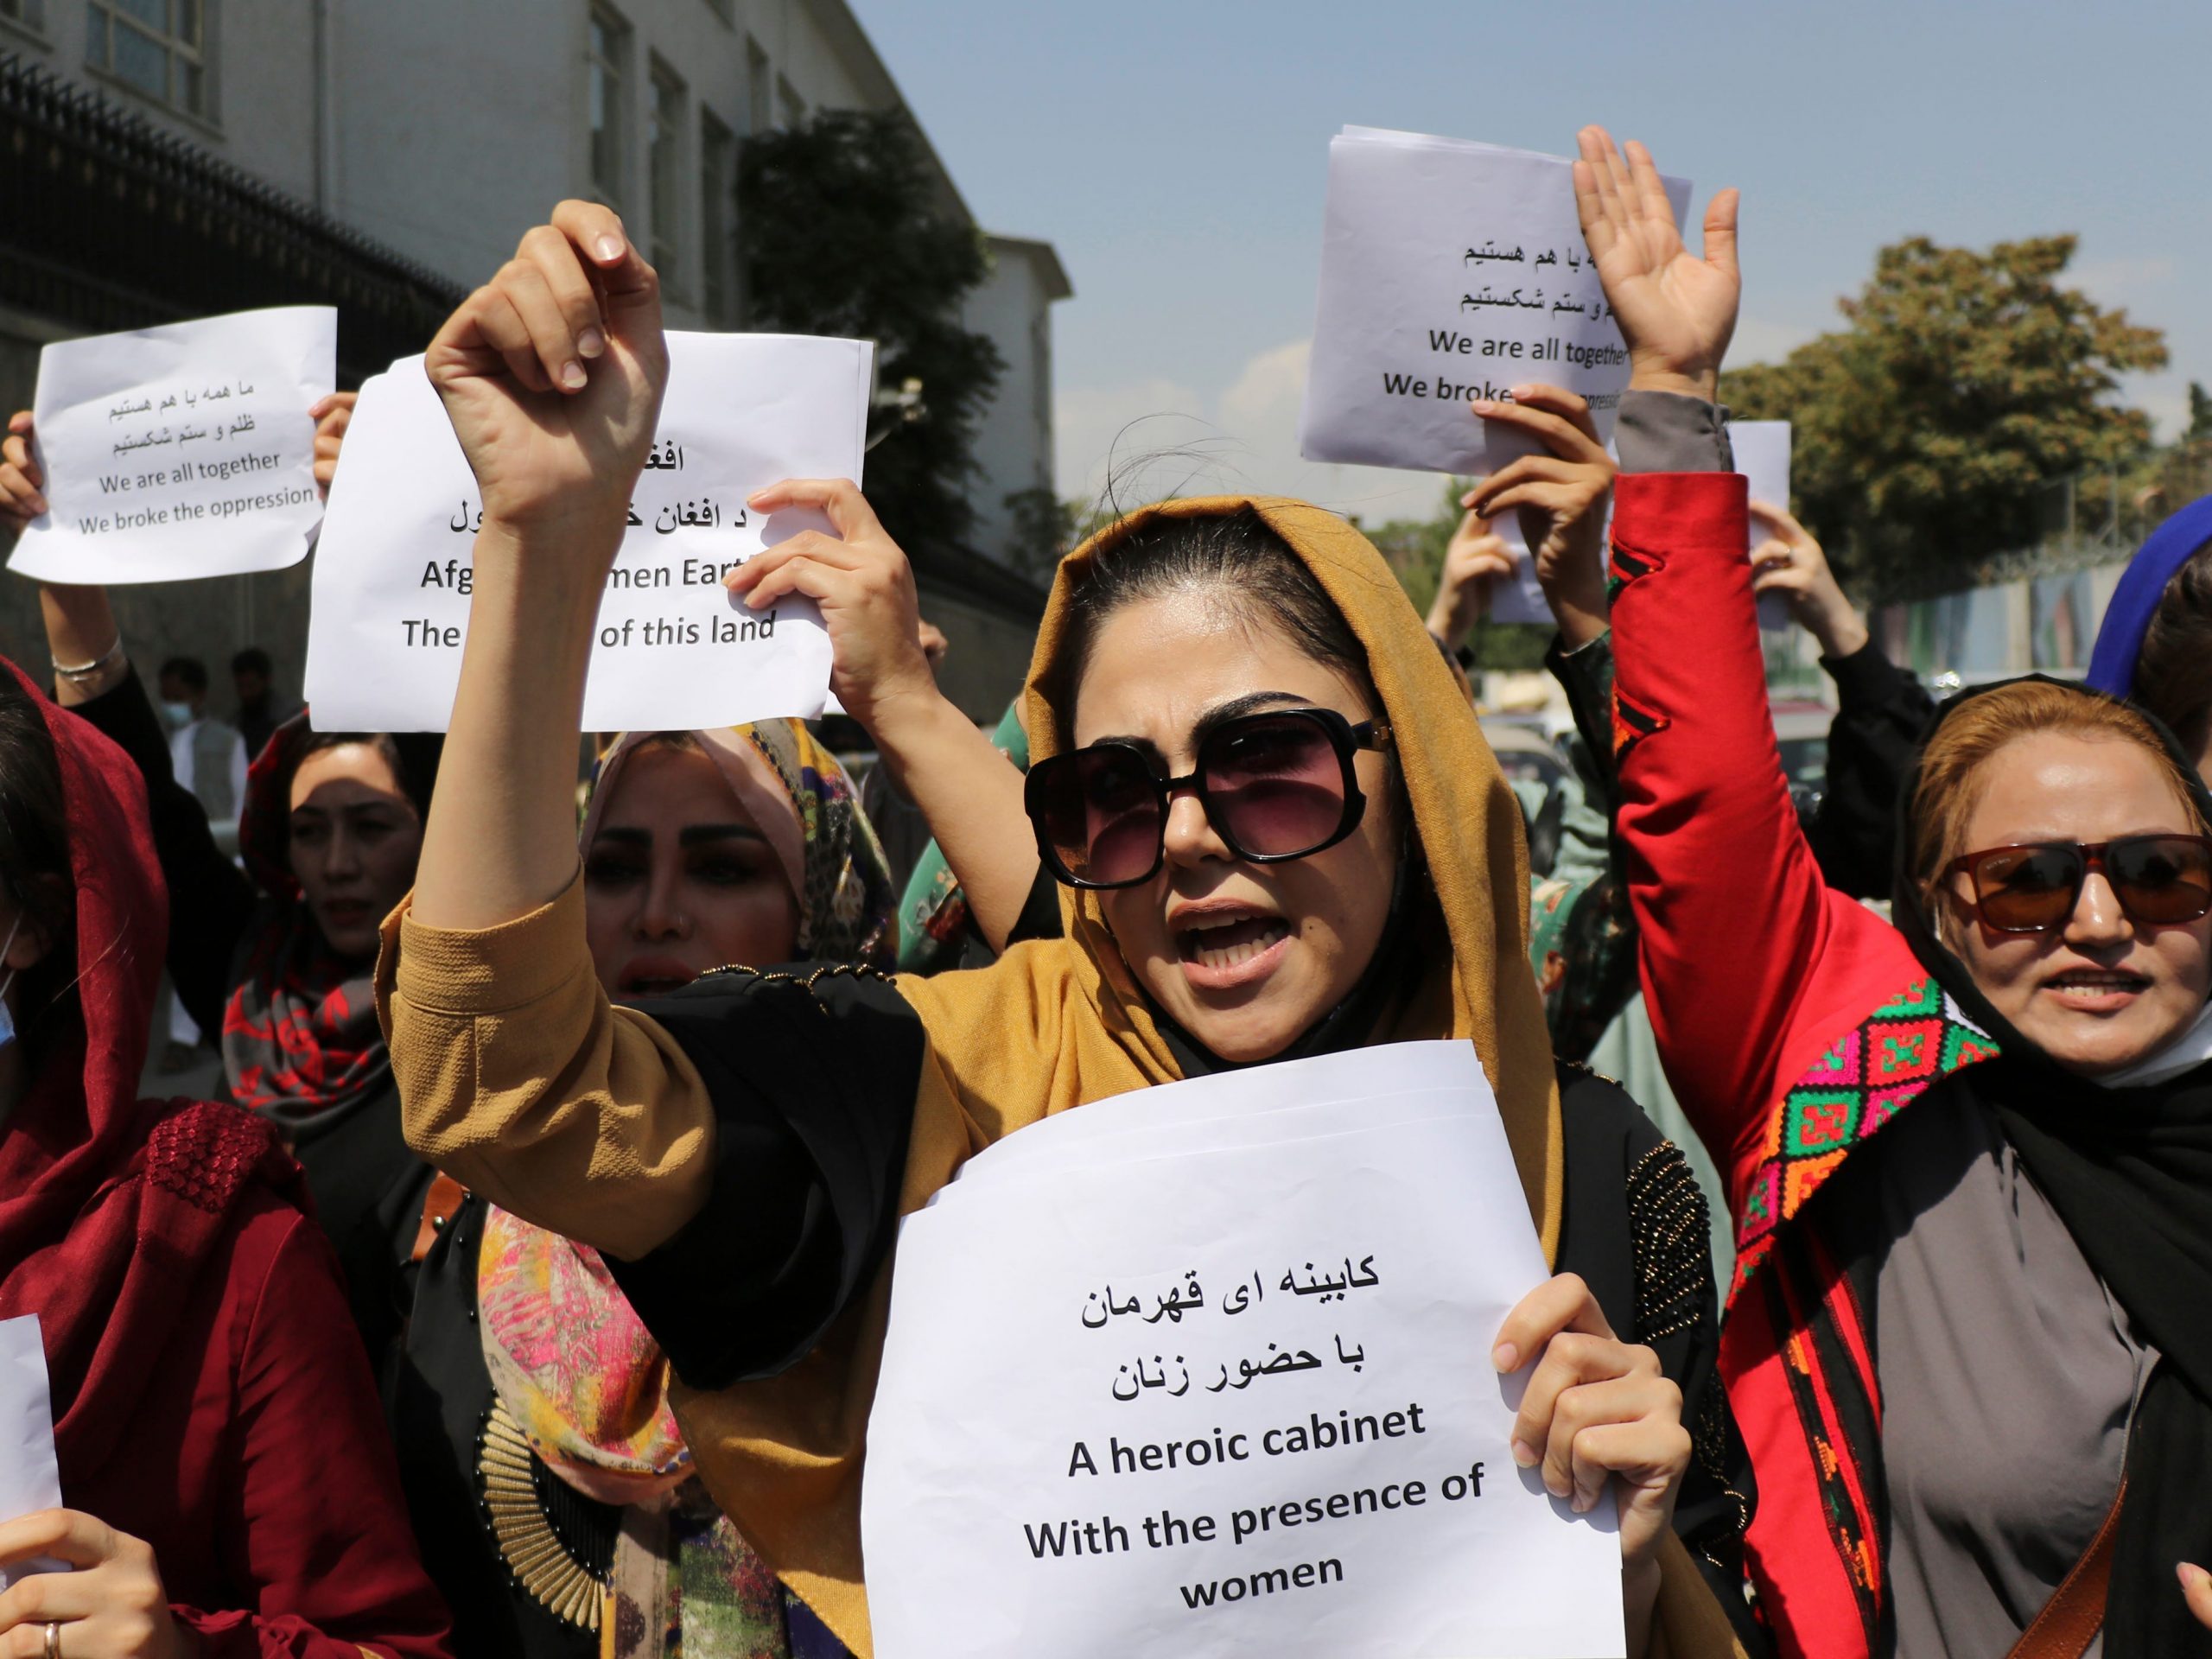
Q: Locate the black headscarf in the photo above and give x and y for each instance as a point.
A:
(2129, 1170)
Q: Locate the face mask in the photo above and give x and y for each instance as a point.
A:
(177, 713)
(7, 1016)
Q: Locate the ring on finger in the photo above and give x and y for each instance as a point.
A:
(52, 1639)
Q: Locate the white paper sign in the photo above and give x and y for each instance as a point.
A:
(179, 451)
(1762, 456)
(30, 1479)
(675, 650)
(1204, 1372)
(1452, 270)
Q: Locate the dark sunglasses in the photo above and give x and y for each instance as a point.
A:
(1274, 786)
(2158, 879)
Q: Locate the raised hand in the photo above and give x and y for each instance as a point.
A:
(1677, 311)
(552, 374)
(1560, 497)
(1789, 562)
(22, 485)
(1475, 559)
(863, 584)
(331, 416)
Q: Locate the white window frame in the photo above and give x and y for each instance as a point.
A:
(666, 197)
(104, 20)
(610, 71)
(717, 221)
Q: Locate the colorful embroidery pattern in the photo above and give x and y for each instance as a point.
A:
(1631, 725)
(1858, 1085)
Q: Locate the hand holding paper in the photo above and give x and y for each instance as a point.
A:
(111, 1602)
(1598, 1412)
(1561, 498)
(550, 440)
(172, 452)
(863, 583)
(1788, 564)
(1475, 561)
(1676, 312)
(22, 482)
(332, 416)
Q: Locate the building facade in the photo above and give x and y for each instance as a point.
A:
(173, 158)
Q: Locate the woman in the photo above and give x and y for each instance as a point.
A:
(2155, 644)
(742, 1149)
(1970, 1154)
(523, 1361)
(209, 1392)
(276, 957)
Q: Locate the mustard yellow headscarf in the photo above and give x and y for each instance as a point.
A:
(1055, 1024)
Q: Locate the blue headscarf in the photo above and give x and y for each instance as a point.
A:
(2127, 619)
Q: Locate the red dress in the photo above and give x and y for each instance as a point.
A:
(211, 1397)
(1794, 1023)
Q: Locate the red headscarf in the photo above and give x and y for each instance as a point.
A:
(110, 1206)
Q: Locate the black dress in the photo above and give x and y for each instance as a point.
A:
(811, 1145)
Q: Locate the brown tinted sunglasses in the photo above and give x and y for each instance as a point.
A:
(2158, 879)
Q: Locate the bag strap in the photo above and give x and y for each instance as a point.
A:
(2076, 1612)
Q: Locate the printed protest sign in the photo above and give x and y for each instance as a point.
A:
(394, 574)
(30, 1479)
(1453, 270)
(1763, 457)
(179, 451)
(1223, 1387)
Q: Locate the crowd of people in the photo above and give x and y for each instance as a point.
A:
(523, 1292)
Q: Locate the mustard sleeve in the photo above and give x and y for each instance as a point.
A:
(520, 1080)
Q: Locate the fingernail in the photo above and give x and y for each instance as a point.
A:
(1481, 406)
(1520, 391)
(609, 247)
(572, 376)
(2191, 1575)
(38, 505)
(1524, 1455)
(1584, 1503)
(1558, 1489)
(591, 342)
(1505, 1357)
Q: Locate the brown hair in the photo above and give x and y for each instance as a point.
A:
(1945, 796)
(2173, 671)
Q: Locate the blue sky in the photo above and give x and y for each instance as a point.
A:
(1174, 153)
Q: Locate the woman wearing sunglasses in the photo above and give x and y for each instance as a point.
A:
(1970, 1154)
(1281, 834)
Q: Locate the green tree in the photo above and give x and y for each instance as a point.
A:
(847, 232)
(1964, 382)
(1046, 528)
(2200, 413)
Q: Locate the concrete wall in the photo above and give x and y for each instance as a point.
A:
(261, 61)
(457, 132)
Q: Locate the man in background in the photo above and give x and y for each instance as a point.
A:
(262, 707)
(209, 759)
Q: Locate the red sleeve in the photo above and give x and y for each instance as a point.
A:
(1750, 963)
(316, 1528)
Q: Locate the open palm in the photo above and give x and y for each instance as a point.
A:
(1677, 311)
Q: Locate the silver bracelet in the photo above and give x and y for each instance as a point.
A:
(92, 670)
